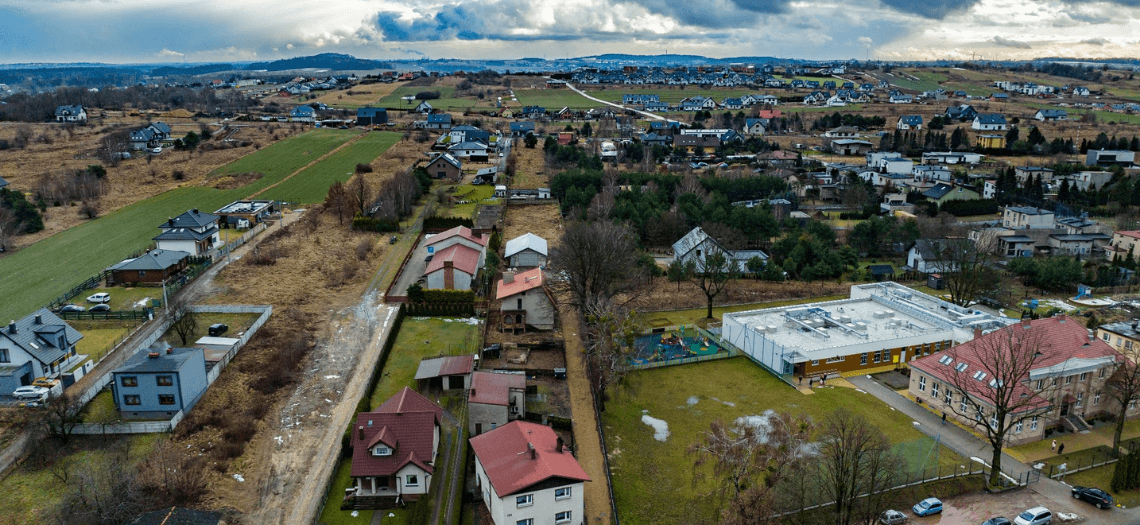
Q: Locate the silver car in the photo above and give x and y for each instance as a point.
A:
(30, 392)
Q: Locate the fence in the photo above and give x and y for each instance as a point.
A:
(725, 352)
(129, 427)
(78, 289)
(235, 244)
(1098, 458)
(113, 315)
(913, 479)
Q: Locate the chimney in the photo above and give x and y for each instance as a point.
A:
(40, 319)
(508, 277)
(1025, 323)
(12, 326)
(530, 448)
(559, 446)
(170, 221)
(195, 211)
(360, 433)
(153, 355)
(170, 350)
(977, 333)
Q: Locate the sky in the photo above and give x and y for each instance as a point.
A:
(148, 31)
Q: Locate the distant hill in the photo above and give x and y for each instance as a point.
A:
(191, 70)
(322, 61)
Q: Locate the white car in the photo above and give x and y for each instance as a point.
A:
(30, 392)
(1034, 516)
(156, 150)
(101, 297)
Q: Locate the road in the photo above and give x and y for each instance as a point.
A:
(646, 114)
(968, 445)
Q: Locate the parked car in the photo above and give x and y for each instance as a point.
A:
(1034, 516)
(393, 239)
(72, 308)
(156, 150)
(100, 308)
(927, 507)
(30, 392)
(217, 329)
(892, 517)
(999, 520)
(101, 297)
(1100, 498)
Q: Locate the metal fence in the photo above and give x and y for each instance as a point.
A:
(129, 427)
(913, 479)
(112, 315)
(1084, 461)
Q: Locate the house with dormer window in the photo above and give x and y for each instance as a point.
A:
(193, 232)
(394, 449)
(39, 345)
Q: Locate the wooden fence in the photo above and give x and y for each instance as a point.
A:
(91, 282)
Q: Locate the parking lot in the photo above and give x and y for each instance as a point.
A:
(977, 508)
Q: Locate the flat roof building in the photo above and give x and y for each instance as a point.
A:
(879, 324)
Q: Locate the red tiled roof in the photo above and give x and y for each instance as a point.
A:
(413, 435)
(490, 388)
(461, 231)
(457, 364)
(462, 258)
(1135, 234)
(408, 401)
(503, 453)
(524, 281)
(769, 113)
(1058, 339)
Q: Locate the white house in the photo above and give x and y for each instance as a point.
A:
(394, 449)
(452, 268)
(989, 122)
(303, 114)
(525, 301)
(924, 257)
(39, 345)
(526, 251)
(1026, 218)
(527, 476)
(696, 245)
(495, 399)
(193, 232)
(71, 114)
(909, 122)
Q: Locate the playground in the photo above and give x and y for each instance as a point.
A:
(669, 345)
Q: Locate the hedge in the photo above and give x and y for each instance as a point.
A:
(449, 296)
(368, 224)
(446, 223)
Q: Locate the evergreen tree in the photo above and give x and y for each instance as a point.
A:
(1035, 136)
(1012, 136)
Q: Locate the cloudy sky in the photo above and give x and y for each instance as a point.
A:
(234, 30)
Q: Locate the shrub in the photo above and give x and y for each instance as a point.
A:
(364, 167)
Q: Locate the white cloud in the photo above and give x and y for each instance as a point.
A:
(166, 53)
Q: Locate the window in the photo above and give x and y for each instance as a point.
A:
(166, 399)
(934, 390)
(836, 359)
(411, 480)
(1020, 426)
(164, 380)
(562, 517)
(961, 367)
(1080, 398)
(1106, 337)
(1100, 374)
(922, 383)
(949, 397)
(1128, 344)
(863, 358)
(131, 400)
(1131, 404)
(1053, 382)
(993, 420)
(129, 381)
(979, 375)
(1040, 384)
(562, 493)
(5, 359)
(876, 356)
(381, 450)
(946, 360)
(962, 404)
(1068, 379)
(1096, 398)
(979, 415)
(527, 521)
(1033, 423)
(142, 274)
(525, 500)
(886, 356)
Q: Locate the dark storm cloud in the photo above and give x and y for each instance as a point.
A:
(936, 9)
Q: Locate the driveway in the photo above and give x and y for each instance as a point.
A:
(413, 270)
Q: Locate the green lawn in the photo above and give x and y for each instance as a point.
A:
(238, 323)
(653, 480)
(100, 336)
(474, 196)
(1101, 477)
(312, 185)
(30, 494)
(101, 409)
(52, 266)
(123, 297)
(422, 337)
(556, 99)
(446, 98)
(332, 515)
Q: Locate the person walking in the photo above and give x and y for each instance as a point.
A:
(1061, 449)
(944, 418)
(1053, 447)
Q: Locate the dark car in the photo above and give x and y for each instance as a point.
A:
(217, 329)
(996, 521)
(72, 308)
(1100, 498)
(100, 308)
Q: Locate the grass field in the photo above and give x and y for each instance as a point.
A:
(312, 184)
(357, 96)
(50, 267)
(652, 480)
(475, 197)
(122, 297)
(445, 101)
(556, 99)
(99, 336)
(420, 338)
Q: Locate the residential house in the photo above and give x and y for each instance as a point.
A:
(527, 476)
(951, 157)
(696, 245)
(1110, 157)
(1124, 337)
(1024, 172)
(394, 450)
(244, 214)
(533, 112)
(690, 144)
(159, 382)
(521, 129)
(999, 97)
(495, 399)
(445, 166)
(1125, 243)
(488, 175)
(446, 373)
(193, 232)
(74, 114)
(1095, 180)
(472, 150)
(989, 122)
(990, 141)
(909, 122)
(151, 136)
(38, 345)
(423, 107)
(526, 251)
(943, 192)
(754, 126)
(1063, 382)
(899, 98)
(368, 116)
(1080, 91)
(438, 121)
(842, 132)
(1073, 243)
(452, 268)
(889, 162)
(153, 268)
(525, 301)
(851, 147)
(927, 256)
(1026, 218)
(303, 114)
(1051, 115)
(989, 189)
(1016, 245)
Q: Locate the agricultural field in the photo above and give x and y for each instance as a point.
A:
(312, 184)
(555, 99)
(669, 94)
(357, 96)
(50, 267)
(653, 477)
(419, 338)
(447, 99)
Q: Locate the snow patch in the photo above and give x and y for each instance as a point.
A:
(334, 376)
(239, 478)
(660, 427)
(280, 440)
(693, 400)
(143, 302)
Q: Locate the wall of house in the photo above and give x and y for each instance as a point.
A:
(539, 310)
(435, 280)
(489, 416)
(423, 477)
(518, 402)
(193, 381)
(18, 375)
(545, 506)
(494, 504)
(187, 245)
(18, 357)
(132, 276)
(1031, 430)
(528, 259)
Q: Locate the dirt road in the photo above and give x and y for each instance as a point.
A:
(587, 442)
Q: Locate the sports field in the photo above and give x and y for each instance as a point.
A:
(32, 277)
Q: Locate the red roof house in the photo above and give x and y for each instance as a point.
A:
(453, 268)
(494, 399)
(393, 451)
(524, 301)
(453, 372)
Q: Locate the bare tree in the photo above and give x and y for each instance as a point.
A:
(9, 226)
(185, 321)
(101, 491)
(360, 194)
(112, 145)
(175, 475)
(1123, 387)
(337, 201)
(60, 417)
(712, 273)
(598, 258)
(611, 331)
(749, 459)
(856, 467)
(967, 266)
(991, 389)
